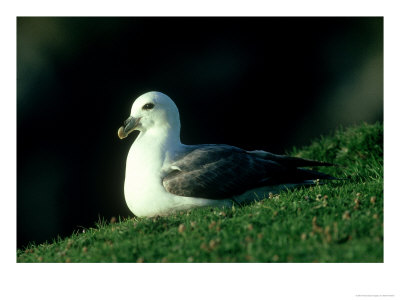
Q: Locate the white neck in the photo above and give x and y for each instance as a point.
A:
(154, 147)
(161, 137)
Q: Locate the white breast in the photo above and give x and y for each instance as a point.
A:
(144, 193)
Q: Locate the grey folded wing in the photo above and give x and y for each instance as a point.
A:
(222, 171)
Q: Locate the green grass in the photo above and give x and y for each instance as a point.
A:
(340, 221)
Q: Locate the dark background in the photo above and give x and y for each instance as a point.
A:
(257, 83)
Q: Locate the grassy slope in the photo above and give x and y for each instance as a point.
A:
(324, 223)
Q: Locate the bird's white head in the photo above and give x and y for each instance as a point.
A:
(151, 111)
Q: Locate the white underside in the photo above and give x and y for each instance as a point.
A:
(153, 200)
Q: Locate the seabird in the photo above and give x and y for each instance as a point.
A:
(164, 176)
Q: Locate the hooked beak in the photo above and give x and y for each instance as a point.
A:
(129, 125)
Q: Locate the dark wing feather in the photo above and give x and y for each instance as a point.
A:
(221, 171)
(288, 161)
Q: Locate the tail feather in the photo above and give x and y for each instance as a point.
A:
(289, 161)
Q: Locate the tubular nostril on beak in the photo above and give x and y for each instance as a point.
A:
(127, 121)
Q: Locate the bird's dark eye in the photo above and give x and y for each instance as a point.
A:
(148, 106)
